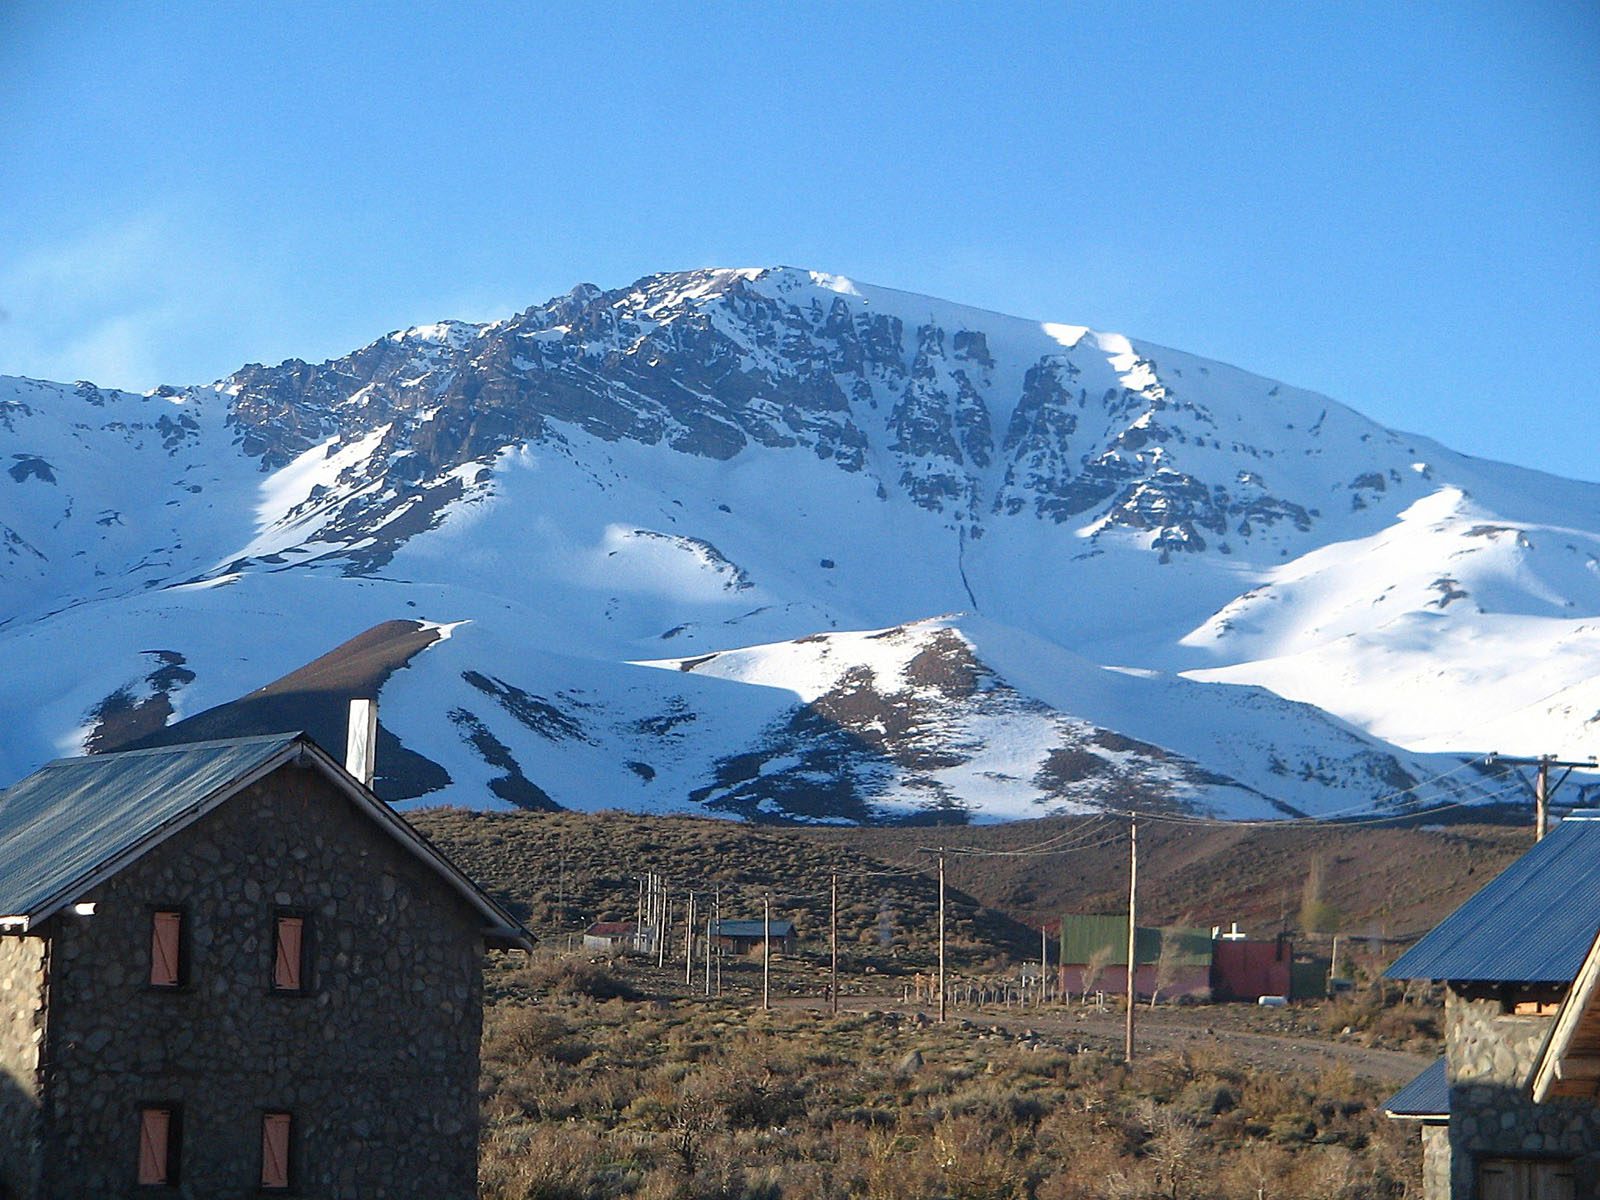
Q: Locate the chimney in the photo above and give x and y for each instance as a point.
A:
(361, 741)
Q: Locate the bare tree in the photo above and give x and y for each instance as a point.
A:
(1166, 964)
(1174, 1149)
(1316, 914)
(1094, 968)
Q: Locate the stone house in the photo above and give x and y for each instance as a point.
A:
(1510, 1113)
(227, 969)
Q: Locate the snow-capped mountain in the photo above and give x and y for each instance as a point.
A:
(774, 543)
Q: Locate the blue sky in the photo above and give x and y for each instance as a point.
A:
(1397, 204)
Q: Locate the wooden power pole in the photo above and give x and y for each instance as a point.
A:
(688, 946)
(766, 952)
(1044, 963)
(833, 949)
(1133, 928)
(666, 915)
(941, 935)
(1542, 789)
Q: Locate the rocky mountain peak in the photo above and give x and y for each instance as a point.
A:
(688, 530)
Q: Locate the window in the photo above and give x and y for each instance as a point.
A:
(169, 967)
(159, 1135)
(276, 1128)
(1532, 1001)
(291, 952)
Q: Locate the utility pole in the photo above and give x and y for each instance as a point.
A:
(1133, 914)
(833, 949)
(1542, 790)
(688, 947)
(561, 888)
(1044, 963)
(717, 898)
(708, 953)
(941, 935)
(766, 952)
(666, 915)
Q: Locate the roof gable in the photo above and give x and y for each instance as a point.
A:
(78, 821)
(1532, 923)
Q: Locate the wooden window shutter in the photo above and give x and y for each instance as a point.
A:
(1526, 1179)
(155, 1128)
(288, 964)
(275, 1150)
(166, 949)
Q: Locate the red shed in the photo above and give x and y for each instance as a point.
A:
(1243, 970)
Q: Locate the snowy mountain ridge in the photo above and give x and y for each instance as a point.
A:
(762, 477)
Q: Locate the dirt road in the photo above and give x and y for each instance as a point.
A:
(1171, 1028)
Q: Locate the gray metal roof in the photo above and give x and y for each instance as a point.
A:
(1532, 923)
(72, 816)
(751, 929)
(77, 821)
(1426, 1096)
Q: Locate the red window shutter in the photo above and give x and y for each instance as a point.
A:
(166, 946)
(275, 1150)
(155, 1125)
(287, 973)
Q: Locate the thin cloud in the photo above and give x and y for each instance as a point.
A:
(109, 303)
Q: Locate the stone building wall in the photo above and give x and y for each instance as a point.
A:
(22, 1025)
(378, 1065)
(1436, 1161)
(1490, 1056)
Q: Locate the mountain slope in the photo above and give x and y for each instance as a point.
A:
(731, 463)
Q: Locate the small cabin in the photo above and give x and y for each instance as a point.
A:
(741, 937)
(1167, 962)
(612, 936)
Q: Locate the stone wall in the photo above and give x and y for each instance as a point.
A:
(1435, 1161)
(1490, 1057)
(22, 961)
(378, 1064)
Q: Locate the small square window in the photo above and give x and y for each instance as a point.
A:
(291, 952)
(277, 1133)
(160, 1134)
(169, 965)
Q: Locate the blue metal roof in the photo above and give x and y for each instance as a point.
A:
(1532, 923)
(71, 817)
(1428, 1095)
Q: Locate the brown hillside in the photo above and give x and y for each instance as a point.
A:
(1375, 882)
(887, 914)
